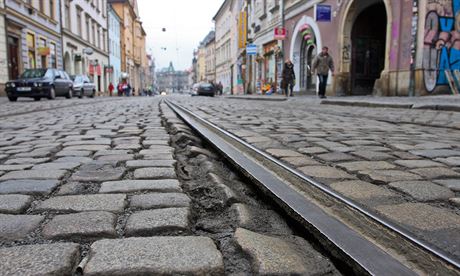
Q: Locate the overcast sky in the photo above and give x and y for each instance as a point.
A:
(187, 22)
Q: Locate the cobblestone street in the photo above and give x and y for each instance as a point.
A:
(122, 187)
(400, 163)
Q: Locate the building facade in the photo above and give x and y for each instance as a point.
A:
(263, 17)
(171, 81)
(223, 21)
(3, 50)
(210, 57)
(114, 31)
(33, 35)
(201, 63)
(377, 45)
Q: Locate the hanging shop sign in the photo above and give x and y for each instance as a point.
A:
(108, 69)
(242, 30)
(307, 34)
(251, 49)
(43, 51)
(323, 13)
(280, 33)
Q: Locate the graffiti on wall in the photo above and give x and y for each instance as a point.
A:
(441, 41)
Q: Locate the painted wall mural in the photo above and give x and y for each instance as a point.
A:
(441, 41)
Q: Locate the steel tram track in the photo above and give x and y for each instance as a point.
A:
(351, 234)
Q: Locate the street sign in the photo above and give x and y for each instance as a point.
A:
(323, 13)
(251, 49)
(280, 33)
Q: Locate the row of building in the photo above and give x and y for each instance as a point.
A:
(380, 47)
(103, 39)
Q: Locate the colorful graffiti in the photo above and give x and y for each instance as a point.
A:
(441, 41)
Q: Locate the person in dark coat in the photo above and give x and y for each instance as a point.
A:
(288, 78)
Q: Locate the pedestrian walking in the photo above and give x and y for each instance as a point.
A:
(111, 89)
(288, 78)
(120, 89)
(322, 64)
(220, 88)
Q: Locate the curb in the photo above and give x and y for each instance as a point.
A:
(367, 104)
(269, 99)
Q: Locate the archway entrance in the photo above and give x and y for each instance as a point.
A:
(368, 40)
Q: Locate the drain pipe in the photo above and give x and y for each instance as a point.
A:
(414, 46)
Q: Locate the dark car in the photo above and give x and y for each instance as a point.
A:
(40, 83)
(82, 86)
(206, 89)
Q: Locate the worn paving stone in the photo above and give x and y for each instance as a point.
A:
(387, 176)
(155, 143)
(22, 161)
(451, 161)
(155, 173)
(81, 203)
(14, 204)
(366, 165)
(280, 153)
(34, 174)
(157, 150)
(436, 172)
(360, 190)
(159, 200)
(421, 216)
(129, 186)
(17, 227)
(75, 188)
(28, 187)
(325, 172)
(118, 158)
(260, 220)
(414, 164)
(77, 153)
(136, 164)
(275, 256)
(57, 166)
(436, 153)
(15, 167)
(98, 171)
(111, 152)
(80, 226)
(336, 157)
(313, 150)
(155, 256)
(453, 184)
(40, 259)
(72, 159)
(87, 148)
(150, 222)
(423, 190)
(373, 155)
(300, 161)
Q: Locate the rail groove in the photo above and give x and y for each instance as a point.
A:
(343, 230)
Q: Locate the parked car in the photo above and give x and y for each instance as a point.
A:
(40, 83)
(82, 86)
(206, 89)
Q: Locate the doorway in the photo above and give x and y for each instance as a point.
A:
(368, 40)
(13, 57)
(307, 54)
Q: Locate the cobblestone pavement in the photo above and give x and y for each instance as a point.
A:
(122, 187)
(401, 163)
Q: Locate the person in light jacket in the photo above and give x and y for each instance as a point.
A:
(322, 64)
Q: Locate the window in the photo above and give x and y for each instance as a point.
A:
(52, 13)
(68, 22)
(31, 50)
(98, 37)
(87, 28)
(43, 56)
(94, 33)
(79, 22)
(53, 55)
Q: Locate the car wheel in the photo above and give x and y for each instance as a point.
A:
(37, 99)
(92, 95)
(82, 93)
(69, 94)
(12, 99)
(52, 94)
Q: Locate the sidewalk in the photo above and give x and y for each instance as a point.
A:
(442, 102)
